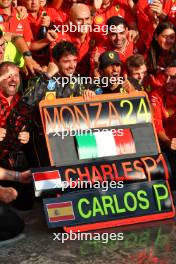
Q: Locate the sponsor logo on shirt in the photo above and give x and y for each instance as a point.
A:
(19, 27)
(99, 20)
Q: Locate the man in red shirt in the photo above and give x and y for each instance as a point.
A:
(38, 18)
(164, 105)
(117, 40)
(11, 21)
(78, 32)
(19, 29)
(10, 99)
(63, 8)
(15, 122)
(111, 8)
(163, 102)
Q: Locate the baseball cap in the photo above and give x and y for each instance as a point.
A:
(108, 58)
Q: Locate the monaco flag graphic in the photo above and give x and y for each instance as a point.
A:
(47, 180)
(60, 211)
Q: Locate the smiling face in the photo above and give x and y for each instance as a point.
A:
(166, 39)
(9, 80)
(5, 3)
(80, 16)
(67, 65)
(170, 84)
(112, 71)
(118, 36)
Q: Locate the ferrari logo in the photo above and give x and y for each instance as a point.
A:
(72, 85)
(117, 7)
(18, 16)
(111, 55)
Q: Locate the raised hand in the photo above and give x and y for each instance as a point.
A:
(97, 4)
(156, 7)
(127, 86)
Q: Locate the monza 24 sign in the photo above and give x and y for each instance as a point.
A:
(108, 139)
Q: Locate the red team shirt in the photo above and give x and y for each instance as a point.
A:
(16, 25)
(164, 114)
(35, 23)
(105, 46)
(62, 13)
(117, 8)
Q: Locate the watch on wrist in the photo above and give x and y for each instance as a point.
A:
(27, 54)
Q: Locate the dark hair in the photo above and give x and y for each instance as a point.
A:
(155, 49)
(115, 21)
(6, 64)
(135, 61)
(64, 48)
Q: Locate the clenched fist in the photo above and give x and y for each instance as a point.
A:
(7, 194)
(24, 137)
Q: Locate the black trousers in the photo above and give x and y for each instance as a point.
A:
(10, 223)
(171, 156)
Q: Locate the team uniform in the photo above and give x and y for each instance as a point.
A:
(105, 46)
(164, 114)
(35, 23)
(14, 24)
(117, 8)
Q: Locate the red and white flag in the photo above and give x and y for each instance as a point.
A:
(47, 180)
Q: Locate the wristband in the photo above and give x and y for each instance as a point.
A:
(27, 54)
(17, 176)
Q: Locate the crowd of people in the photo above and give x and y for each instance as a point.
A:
(74, 48)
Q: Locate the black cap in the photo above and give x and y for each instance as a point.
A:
(108, 58)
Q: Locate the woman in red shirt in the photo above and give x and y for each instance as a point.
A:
(161, 52)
